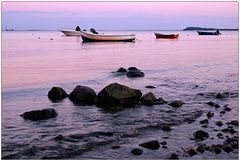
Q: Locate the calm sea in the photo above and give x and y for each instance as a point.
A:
(33, 62)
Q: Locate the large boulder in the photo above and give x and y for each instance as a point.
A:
(82, 95)
(40, 114)
(176, 103)
(122, 70)
(57, 93)
(117, 94)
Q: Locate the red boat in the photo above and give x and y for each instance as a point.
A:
(164, 36)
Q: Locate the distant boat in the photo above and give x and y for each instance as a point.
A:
(71, 33)
(89, 37)
(165, 36)
(208, 33)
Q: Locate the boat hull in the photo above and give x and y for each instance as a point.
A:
(164, 36)
(207, 33)
(87, 37)
(71, 33)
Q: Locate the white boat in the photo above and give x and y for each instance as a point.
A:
(71, 33)
(89, 37)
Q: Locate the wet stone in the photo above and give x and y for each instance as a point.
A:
(176, 103)
(166, 128)
(205, 121)
(234, 122)
(200, 135)
(122, 70)
(210, 114)
(57, 93)
(137, 151)
(150, 87)
(204, 126)
(219, 123)
(164, 147)
(227, 148)
(192, 152)
(163, 143)
(132, 68)
(219, 135)
(115, 147)
(43, 114)
(213, 104)
(173, 156)
(154, 144)
(200, 148)
(227, 109)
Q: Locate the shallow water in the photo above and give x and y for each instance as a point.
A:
(179, 69)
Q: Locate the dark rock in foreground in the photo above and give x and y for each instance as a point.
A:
(122, 70)
(210, 114)
(151, 145)
(137, 151)
(200, 135)
(40, 114)
(174, 156)
(57, 93)
(200, 148)
(192, 152)
(117, 94)
(176, 103)
(83, 95)
(166, 128)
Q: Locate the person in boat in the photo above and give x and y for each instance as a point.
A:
(218, 32)
(77, 28)
(92, 30)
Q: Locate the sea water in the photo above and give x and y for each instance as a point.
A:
(180, 69)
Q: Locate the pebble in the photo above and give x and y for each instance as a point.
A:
(219, 123)
(137, 151)
(192, 152)
(205, 121)
(210, 114)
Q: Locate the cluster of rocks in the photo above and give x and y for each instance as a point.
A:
(113, 95)
(131, 72)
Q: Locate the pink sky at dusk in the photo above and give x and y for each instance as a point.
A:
(124, 15)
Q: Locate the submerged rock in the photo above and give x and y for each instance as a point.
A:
(227, 109)
(40, 114)
(57, 93)
(200, 135)
(192, 152)
(154, 144)
(200, 148)
(173, 156)
(213, 104)
(137, 151)
(176, 103)
(150, 87)
(205, 121)
(117, 94)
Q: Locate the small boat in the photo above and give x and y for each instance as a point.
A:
(71, 33)
(90, 37)
(209, 33)
(164, 36)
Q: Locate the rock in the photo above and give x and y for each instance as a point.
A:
(227, 109)
(234, 122)
(217, 150)
(220, 96)
(200, 135)
(164, 147)
(83, 95)
(163, 143)
(150, 87)
(210, 114)
(230, 130)
(174, 156)
(40, 114)
(192, 152)
(166, 128)
(132, 68)
(222, 112)
(219, 135)
(176, 103)
(204, 126)
(160, 101)
(115, 147)
(148, 99)
(122, 70)
(205, 121)
(227, 148)
(59, 137)
(57, 93)
(154, 144)
(219, 123)
(135, 73)
(117, 94)
(200, 148)
(213, 104)
(137, 151)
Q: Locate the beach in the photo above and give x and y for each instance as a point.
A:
(192, 68)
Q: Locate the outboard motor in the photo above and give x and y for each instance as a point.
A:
(92, 30)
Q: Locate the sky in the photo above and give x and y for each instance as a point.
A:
(118, 15)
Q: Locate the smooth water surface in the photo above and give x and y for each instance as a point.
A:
(179, 69)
